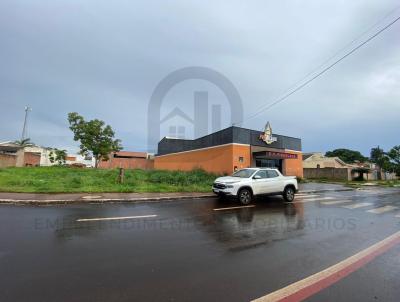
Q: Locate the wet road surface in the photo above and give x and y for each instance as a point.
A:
(196, 250)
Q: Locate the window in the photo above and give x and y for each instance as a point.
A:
(244, 173)
(272, 174)
(262, 173)
(241, 159)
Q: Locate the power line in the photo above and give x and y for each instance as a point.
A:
(281, 99)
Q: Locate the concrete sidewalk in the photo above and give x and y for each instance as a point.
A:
(75, 198)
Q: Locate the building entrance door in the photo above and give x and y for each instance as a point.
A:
(269, 163)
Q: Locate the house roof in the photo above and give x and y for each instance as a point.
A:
(9, 147)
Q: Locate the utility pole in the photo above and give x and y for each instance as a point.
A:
(24, 129)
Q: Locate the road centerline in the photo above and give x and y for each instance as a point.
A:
(334, 202)
(115, 218)
(233, 208)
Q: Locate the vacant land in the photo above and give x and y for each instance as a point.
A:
(73, 180)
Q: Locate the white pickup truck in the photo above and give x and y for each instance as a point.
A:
(247, 183)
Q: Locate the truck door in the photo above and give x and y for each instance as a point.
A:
(274, 182)
(260, 182)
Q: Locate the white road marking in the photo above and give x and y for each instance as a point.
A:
(306, 196)
(358, 205)
(311, 199)
(382, 209)
(233, 208)
(115, 218)
(398, 216)
(328, 203)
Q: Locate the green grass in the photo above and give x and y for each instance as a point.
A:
(75, 180)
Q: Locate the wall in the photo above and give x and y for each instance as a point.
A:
(7, 160)
(31, 159)
(293, 167)
(229, 135)
(219, 159)
(127, 163)
(328, 173)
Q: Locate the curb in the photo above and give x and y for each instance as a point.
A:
(96, 200)
(38, 202)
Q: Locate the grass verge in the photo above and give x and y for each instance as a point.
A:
(77, 180)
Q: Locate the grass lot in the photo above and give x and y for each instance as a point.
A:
(74, 180)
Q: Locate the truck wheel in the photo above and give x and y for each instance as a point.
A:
(245, 196)
(288, 194)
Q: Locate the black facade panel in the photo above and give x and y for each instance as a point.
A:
(227, 136)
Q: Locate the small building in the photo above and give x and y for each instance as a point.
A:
(128, 160)
(224, 151)
(13, 155)
(317, 165)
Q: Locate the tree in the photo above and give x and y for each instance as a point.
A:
(348, 156)
(58, 156)
(394, 155)
(379, 157)
(94, 136)
(24, 142)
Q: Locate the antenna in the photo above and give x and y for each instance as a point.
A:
(24, 129)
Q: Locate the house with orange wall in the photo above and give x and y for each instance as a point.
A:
(233, 148)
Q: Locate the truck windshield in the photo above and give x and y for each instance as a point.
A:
(245, 173)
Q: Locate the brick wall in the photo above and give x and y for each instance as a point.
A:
(293, 166)
(327, 173)
(7, 160)
(220, 159)
(127, 163)
(31, 159)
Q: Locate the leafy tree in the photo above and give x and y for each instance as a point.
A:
(379, 157)
(24, 142)
(94, 136)
(394, 155)
(58, 156)
(348, 156)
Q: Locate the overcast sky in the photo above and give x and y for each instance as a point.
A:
(104, 59)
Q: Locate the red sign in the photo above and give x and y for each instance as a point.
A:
(280, 155)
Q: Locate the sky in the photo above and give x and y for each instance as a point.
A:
(105, 59)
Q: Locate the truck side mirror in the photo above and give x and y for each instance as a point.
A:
(257, 177)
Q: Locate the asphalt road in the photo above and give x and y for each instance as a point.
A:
(188, 251)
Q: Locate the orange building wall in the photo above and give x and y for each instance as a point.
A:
(220, 159)
(293, 167)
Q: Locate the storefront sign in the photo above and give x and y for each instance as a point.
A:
(280, 155)
(266, 136)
